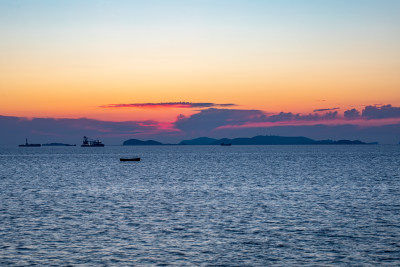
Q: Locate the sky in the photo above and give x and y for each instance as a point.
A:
(194, 68)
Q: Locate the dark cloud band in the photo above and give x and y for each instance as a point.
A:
(374, 112)
(325, 109)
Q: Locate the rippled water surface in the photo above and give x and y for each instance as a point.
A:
(200, 205)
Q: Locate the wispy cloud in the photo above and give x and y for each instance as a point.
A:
(167, 105)
(325, 109)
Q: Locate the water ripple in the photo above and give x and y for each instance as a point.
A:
(234, 206)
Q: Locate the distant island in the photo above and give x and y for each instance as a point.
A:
(57, 144)
(28, 144)
(256, 140)
(136, 142)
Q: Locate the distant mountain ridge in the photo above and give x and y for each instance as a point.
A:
(57, 144)
(284, 140)
(267, 140)
(256, 140)
(136, 142)
(199, 141)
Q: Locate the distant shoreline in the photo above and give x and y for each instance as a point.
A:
(206, 141)
(256, 140)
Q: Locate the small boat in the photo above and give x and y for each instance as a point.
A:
(129, 159)
(223, 144)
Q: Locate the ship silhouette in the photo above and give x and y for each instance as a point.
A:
(87, 142)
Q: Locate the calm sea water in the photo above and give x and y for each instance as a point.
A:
(200, 205)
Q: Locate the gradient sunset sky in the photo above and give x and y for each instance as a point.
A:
(138, 60)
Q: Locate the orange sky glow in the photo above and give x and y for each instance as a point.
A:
(71, 66)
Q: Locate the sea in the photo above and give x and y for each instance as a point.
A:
(319, 205)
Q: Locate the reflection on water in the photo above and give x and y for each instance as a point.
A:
(194, 205)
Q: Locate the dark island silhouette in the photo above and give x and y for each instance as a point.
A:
(198, 141)
(29, 145)
(57, 144)
(136, 142)
(256, 140)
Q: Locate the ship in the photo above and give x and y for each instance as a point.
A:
(29, 145)
(91, 143)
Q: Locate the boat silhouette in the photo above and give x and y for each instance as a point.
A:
(129, 159)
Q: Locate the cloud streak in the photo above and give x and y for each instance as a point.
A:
(325, 109)
(168, 105)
